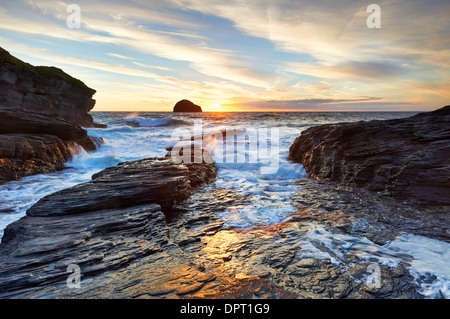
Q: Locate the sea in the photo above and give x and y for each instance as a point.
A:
(264, 175)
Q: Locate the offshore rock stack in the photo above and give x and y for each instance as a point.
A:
(186, 106)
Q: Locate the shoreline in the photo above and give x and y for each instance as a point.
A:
(197, 255)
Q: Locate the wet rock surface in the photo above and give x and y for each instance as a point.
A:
(101, 225)
(31, 123)
(183, 249)
(42, 110)
(404, 158)
(23, 155)
(377, 217)
(32, 143)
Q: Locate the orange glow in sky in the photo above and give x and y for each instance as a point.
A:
(241, 56)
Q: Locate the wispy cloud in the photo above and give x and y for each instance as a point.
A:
(310, 104)
(113, 28)
(294, 54)
(372, 70)
(151, 66)
(120, 56)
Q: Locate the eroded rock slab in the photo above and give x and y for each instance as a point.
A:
(405, 158)
(32, 143)
(153, 240)
(32, 123)
(100, 225)
(47, 90)
(24, 155)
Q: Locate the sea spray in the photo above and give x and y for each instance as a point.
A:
(267, 198)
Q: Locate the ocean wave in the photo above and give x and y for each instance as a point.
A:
(152, 122)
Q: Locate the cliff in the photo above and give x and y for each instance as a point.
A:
(403, 158)
(41, 112)
(31, 143)
(47, 90)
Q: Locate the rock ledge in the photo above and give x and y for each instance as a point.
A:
(404, 158)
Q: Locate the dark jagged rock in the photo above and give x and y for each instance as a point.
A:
(405, 158)
(152, 241)
(135, 233)
(125, 185)
(47, 90)
(32, 143)
(117, 229)
(101, 225)
(143, 250)
(21, 122)
(23, 155)
(42, 110)
(186, 106)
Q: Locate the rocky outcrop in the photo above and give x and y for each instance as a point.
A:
(186, 106)
(46, 90)
(23, 155)
(404, 158)
(134, 232)
(101, 225)
(30, 123)
(33, 143)
(41, 110)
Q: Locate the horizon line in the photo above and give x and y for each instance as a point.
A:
(284, 111)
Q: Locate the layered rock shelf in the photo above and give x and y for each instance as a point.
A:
(404, 158)
(102, 225)
(149, 229)
(41, 110)
(46, 90)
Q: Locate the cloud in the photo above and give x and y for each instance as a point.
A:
(151, 66)
(335, 36)
(120, 56)
(118, 26)
(348, 70)
(56, 59)
(294, 53)
(303, 86)
(308, 104)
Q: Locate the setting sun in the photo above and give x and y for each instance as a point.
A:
(215, 107)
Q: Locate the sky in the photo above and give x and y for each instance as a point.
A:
(241, 55)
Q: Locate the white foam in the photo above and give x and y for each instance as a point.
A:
(152, 122)
(144, 122)
(430, 263)
(428, 259)
(268, 196)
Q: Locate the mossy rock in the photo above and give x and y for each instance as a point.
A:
(47, 71)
